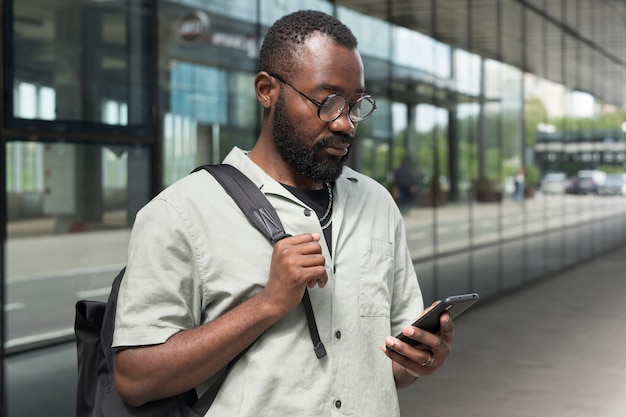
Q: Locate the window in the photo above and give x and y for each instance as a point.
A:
(59, 84)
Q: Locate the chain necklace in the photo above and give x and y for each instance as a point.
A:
(328, 214)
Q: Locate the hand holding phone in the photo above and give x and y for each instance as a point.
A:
(430, 321)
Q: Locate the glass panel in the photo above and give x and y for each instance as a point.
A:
(207, 84)
(423, 146)
(492, 140)
(486, 270)
(398, 149)
(372, 144)
(238, 9)
(52, 373)
(210, 109)
(68, 212)
(467, 130)
(512, 264)
(586, 241)
(80, 61)
(374, 35)
(535, 256)
(554, 250)
(512, 32)
(271, 10)
(452, 275)
(572, 245)
(406, 45)
(426, 277)
(467, 71)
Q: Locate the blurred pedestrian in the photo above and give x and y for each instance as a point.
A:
(520, 185)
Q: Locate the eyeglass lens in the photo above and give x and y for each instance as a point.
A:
(332, 107)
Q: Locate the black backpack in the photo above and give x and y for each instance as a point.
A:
(95, 320)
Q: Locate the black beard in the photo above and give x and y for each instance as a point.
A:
(305, 160)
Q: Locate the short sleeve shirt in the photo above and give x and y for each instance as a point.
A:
(193, 256)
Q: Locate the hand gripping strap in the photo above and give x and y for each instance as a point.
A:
(263, 216)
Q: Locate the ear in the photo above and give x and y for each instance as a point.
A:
(266, 89)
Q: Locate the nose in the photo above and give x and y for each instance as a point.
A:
(343, 123)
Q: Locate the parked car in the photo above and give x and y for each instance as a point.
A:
(554, 183)
(586, 181)
(615, 184)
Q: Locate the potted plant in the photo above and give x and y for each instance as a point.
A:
(532, 180)
(432, 195)
(487, 190)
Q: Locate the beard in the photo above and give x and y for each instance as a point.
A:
(306, 160)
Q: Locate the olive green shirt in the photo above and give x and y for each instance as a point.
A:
(193, 255)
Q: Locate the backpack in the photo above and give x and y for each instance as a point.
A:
(95, 321)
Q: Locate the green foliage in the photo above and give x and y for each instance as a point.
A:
(533, 176)
(534, 113)
(611, 169)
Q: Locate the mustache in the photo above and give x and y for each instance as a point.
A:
(334, 139)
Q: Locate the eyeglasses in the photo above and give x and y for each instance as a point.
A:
(329, 109)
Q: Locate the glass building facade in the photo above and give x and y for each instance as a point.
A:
(105, 103)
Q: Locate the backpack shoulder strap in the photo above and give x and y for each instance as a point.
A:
(249, 198)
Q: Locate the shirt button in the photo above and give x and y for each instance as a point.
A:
(338, 334)
(338, 403)
(334, 269)
(307, 212)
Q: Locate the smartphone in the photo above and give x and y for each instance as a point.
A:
(453, 305)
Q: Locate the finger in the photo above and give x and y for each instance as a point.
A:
(307, 253)
(430, 307)
(298, 239)
(447, 328)
(428, 341)
(316, 271)
(312, 260)
(303, 246)
(310, 248)
(304, 237)
(409, 357)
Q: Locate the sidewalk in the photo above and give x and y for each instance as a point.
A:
(556, 348)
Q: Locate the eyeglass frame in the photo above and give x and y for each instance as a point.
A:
(320, 104)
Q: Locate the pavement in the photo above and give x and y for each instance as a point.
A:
(554, 348)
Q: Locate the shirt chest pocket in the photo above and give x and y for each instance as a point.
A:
(376, 267)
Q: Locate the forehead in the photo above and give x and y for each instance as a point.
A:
(326, 63)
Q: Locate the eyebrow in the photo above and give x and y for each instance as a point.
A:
(338, 90)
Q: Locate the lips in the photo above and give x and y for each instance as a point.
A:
(337, 149)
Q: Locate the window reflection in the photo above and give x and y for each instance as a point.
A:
(68, 212)
(69, 61)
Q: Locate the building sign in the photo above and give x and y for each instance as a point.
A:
(193, 27)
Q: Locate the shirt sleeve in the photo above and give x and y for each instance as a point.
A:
(161, 293)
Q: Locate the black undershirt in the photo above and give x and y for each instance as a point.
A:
(318, 200)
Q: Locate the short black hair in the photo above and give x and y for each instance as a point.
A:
(284, 41)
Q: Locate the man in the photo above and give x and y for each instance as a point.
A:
(202, 284)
